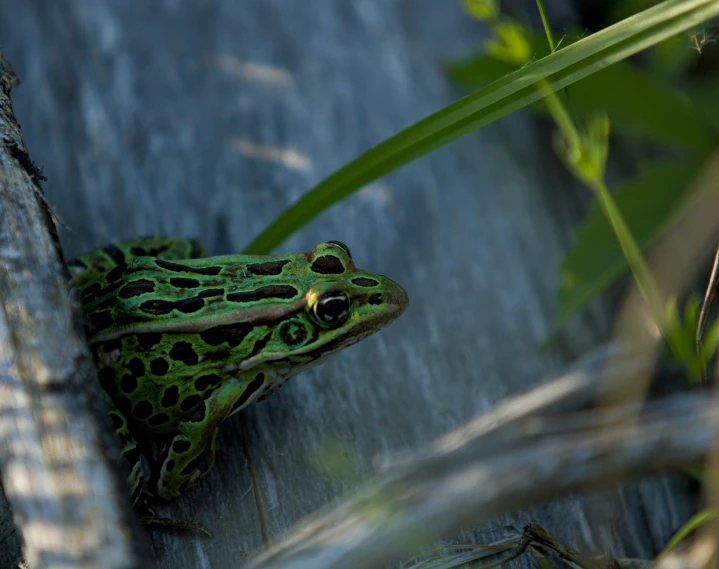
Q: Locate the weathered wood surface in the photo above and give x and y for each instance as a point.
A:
(205, 119)
(54, 449)
(505, 466)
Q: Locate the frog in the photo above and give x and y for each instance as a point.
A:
(182, 341)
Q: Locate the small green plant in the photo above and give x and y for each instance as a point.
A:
(685, 348)
(584, 152)
(641, 104)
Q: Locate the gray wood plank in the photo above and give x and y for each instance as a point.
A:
(205, 119)
(518, 458)
(55, 450)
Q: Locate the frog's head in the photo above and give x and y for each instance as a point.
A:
(341, 305)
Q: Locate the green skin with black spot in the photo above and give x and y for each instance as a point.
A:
(182, 342)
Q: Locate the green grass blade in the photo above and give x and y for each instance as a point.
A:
(636, 102)
(696, 521)
(706, 93)
(502, 97)
(542, 561)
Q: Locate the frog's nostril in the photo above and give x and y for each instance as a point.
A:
(376, 299)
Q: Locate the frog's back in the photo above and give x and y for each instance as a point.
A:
(86, 268)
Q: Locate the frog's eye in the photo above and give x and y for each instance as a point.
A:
(341, 246)
(332, 309)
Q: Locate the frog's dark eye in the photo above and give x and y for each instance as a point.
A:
(341, 246)
(332, 309)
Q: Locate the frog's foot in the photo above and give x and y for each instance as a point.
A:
(148, 517)
(176, 525)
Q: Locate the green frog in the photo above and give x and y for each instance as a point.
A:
(182, 341)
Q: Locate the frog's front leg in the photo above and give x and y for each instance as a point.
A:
(176, 468)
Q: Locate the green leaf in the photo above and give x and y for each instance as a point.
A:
(482, 10)
(636, 102)
(478, 70)
(639, 104)
(542, 561)
(682, 330)
(669, 59)
(509, 42)
(706, 94)
(625, 8)
(595, 261)
(502, 97)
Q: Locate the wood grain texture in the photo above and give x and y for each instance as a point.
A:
(56, 473)
(205, 119)
(512, 463)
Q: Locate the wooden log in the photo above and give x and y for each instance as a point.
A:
(64, 493)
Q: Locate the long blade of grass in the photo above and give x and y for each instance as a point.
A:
(696, 521)
(636, 102)
(508, 94)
